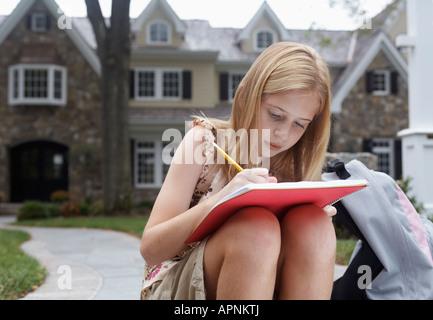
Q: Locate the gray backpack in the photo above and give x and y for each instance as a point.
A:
(393, 257)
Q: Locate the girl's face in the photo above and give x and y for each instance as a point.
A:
(286, 115)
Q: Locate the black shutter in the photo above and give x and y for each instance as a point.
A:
(370, 81)
(132, 150)
(29, 22)
(224, 86)
(48, 21)
(394, 82)
(187, 84)
(132, 84)
(367, 145)
(398, 170)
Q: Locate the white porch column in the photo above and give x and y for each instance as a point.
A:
(417, 140)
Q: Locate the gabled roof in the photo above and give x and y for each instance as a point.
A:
(365, 47)
(11, 21)
(264, 10)
(365, 50)
(137, 25)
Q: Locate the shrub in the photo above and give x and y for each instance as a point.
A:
(70, 209)
(54, 209)
(33, 210)
(97, 208)
(84, 208)
(59, 196)
(2, 197)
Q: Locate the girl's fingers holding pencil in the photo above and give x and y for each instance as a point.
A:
(256, 175)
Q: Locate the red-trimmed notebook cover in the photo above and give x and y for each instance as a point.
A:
(277, 198)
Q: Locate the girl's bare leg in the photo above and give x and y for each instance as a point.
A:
(308, 246)
(240, 260)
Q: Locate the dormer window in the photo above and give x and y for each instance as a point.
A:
(38, 22)
(158, 32)
(264, 38)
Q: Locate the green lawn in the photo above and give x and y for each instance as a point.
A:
(19, 273)
(133, 225)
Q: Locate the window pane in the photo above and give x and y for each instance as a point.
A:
(29, 164)
(383, 149)
(146, 84)
(35, 83)
(16, 82)
(40, 22)
(264, 39)
(54, 162)
(146, 145)
(236, 80)
(146, 161)
(171, 84)
(57, 84)
(158, 32)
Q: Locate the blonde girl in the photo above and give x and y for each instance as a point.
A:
(253, 255)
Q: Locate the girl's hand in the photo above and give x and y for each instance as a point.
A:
(330, 211)
(247, 176)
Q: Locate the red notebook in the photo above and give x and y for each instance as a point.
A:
(276, 197)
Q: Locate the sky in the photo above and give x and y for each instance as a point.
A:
(294, 14)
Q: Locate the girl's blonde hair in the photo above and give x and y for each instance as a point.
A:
(286, 66)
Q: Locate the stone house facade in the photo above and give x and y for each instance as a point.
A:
(50, 136)
(50, 128)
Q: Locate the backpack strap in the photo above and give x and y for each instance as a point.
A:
(346, 287)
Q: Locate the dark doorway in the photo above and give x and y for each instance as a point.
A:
(37, 169)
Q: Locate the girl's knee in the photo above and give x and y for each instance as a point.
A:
(310, 224)
(252, 230)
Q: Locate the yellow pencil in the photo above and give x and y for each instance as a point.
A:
(233, 162)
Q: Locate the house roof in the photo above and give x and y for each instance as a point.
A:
(137, 24)
(263, 12)
(199, 36)
(8, 24)
(365, 47)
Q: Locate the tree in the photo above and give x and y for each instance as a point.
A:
(114, 51)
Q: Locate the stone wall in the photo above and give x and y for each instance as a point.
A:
(366, 116)
(368, 159)
(76, 125)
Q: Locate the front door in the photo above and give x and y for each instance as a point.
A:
(37, 169)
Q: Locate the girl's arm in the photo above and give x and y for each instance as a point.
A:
(171, 220)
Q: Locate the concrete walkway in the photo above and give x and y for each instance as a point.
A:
(84, 264)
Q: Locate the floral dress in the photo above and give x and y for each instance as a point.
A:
(211, 180)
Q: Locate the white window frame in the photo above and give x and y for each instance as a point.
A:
(256, 39)
(34, 19)
(158, 41)
(386, 83)
(231, 84)
(158, 83)
(158, 164)
(17, 86)
(384, 146)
